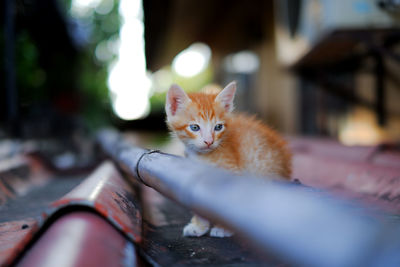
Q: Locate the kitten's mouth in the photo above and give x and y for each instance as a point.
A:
(203, 149)
(207, 149)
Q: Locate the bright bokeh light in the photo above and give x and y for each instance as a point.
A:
(80, 8)
(162, 80)
(80, 4)
(361, 128)
(128, 81)
(102, 51)
(242, 62)
(105, 7)
(192, 60)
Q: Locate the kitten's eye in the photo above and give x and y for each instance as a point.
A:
(218, 127)
(194, 127)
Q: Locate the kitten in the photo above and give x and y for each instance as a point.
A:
(204, 122)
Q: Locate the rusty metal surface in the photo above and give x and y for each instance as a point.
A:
(301, 226)
(14, 236)
(23, 213)
(295, 223)
(368, 174)
(385, 155)
(15, 177)
(80, 239)
(109, 194)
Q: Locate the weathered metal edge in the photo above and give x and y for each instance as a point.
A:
(300, 226)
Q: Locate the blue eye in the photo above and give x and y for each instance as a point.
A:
(218, 127)
(194, 127)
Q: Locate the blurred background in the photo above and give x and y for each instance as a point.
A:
(306, 67)
(325, 73)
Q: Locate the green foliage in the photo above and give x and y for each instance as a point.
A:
(31, 78)
(94, 72)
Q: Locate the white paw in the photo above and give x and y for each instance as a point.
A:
(220, 232)
(192, 229)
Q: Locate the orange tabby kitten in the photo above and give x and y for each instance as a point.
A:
(204, 122)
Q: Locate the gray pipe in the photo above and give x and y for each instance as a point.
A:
(300, 225)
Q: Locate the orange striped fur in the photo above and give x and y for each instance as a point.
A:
(204, 122)
(244, 143)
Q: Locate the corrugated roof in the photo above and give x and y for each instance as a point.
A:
(39, 206)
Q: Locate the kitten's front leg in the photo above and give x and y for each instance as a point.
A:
(197, 227)
(218, 231)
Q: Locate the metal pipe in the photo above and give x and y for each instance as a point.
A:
(299, 225)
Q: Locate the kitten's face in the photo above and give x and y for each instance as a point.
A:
(199, 119)
(199, 129)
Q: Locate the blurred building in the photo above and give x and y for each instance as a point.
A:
(315, 67)
(323, 68)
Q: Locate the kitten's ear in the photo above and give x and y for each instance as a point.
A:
(226, 96)
(176, 100)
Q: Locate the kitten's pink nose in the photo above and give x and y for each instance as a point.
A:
(209, 143)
